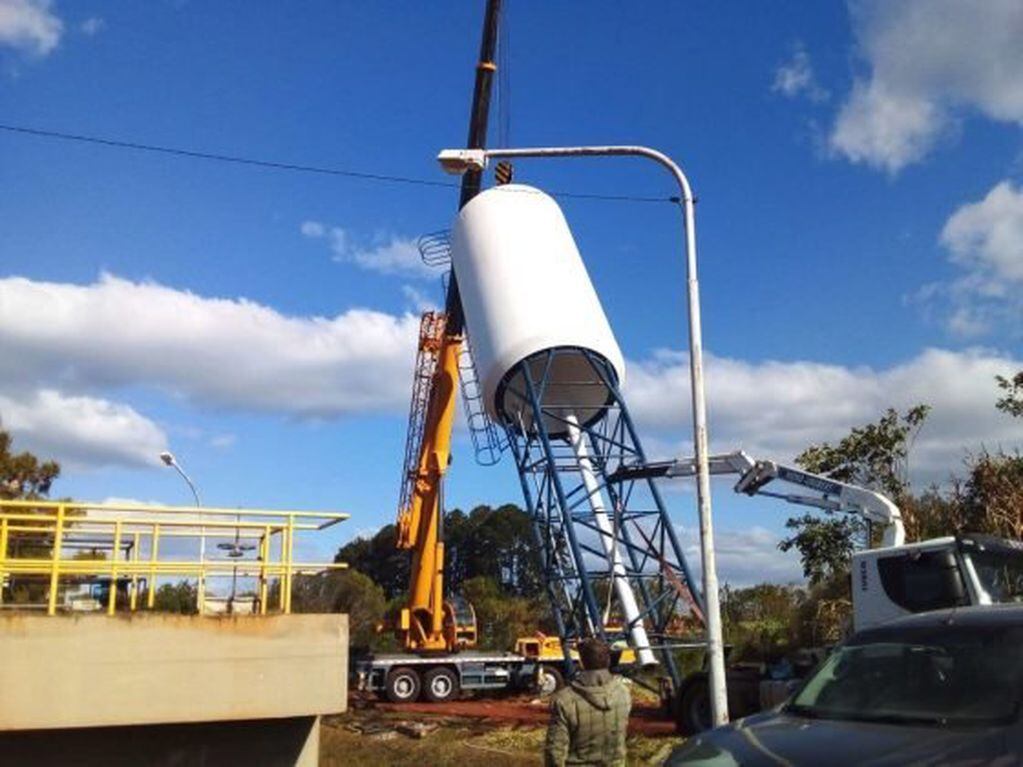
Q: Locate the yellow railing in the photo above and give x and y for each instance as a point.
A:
(124, 546)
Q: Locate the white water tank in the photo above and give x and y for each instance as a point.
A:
(525, 291)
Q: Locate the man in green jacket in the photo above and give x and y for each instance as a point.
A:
(589, 717)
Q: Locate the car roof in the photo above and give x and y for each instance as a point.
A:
(989, 616)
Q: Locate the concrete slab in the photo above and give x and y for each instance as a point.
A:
(97, 671)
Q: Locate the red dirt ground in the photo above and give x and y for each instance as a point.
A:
(645, 720)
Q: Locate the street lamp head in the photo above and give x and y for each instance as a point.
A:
(459, 161)
(167, 458)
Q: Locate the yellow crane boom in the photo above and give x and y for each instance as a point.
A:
(428, 622)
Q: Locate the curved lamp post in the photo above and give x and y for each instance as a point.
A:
(169, 460)
(458, 161)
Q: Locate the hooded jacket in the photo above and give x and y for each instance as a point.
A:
(589, 718)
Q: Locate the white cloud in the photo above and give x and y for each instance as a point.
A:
(223, 441)
(92, 26)
(81, 431)
(928, 62)
(227, 353)
(30, 26)
(775, 409)
(796, 78)
(418, 300)
(312, 229)
(987, 236)
(984, 239)
(387, 254)
(744, 557)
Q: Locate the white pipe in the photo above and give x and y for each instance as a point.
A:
(622, 587)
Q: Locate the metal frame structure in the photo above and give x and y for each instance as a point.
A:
(576, 562)
(38, 540)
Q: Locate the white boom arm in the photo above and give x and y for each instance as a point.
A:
(755, 475)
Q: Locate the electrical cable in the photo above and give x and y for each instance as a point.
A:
(293, 167)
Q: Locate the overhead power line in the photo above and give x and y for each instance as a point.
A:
(285, 166)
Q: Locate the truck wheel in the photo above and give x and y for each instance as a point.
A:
(440, 685)
(549, 680)
(402, 685)
(692, 715)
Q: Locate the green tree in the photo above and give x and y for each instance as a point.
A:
(379, 558)
(495, 543)
(500, 617)
(875, 456)
(760, 621)
(181, 597)
(1012, 402)
(990, 499)
(344, 591)
(23, 475)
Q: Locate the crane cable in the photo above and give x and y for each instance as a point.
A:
(293, 167)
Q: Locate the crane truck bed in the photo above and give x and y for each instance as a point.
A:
(404, 677)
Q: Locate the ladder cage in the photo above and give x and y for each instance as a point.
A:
(488, 441)
(435, 248)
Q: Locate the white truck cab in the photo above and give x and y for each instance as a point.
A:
(890, 582)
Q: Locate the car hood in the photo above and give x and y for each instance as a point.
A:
(781, 739)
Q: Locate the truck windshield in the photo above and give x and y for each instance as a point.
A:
(961, 675)
(1000, 572)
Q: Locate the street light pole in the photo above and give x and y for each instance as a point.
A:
(462, 160)
(169, 460)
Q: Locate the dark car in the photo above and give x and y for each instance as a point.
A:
(936, 688)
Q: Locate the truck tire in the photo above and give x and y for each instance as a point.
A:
(692, 711)
(440, 684)
(402, 685)
(549, 680)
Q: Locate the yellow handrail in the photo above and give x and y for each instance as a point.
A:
(37, 539)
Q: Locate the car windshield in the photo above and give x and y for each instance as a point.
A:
(958, 675)
(1000, 573)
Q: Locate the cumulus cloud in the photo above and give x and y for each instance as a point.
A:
(987, 236)
(387, 254)
(227, 353)
(928, 63)
(30, 26)
(744, 557)
(985, 240)
(796, 78)
(92, 26)
(775, 409)
(81, 431)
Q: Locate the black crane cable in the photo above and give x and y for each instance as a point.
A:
(285, 166)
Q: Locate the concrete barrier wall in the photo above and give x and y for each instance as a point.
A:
(92, 671)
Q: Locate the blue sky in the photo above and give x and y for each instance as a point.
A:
(860, 228)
